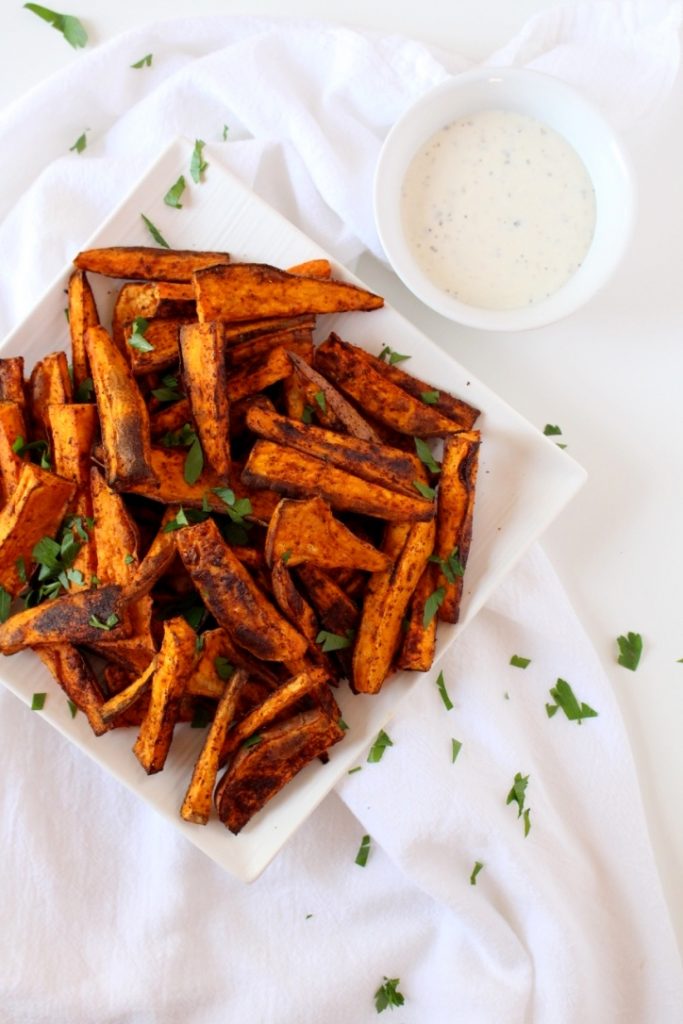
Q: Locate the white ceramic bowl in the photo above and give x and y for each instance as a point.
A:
(548, 100)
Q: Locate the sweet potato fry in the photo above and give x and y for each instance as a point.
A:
(147, 263)
(49, 384)
(196, 806)
(78, 681)
(313, 268)
(164, 336)
(217, 644)
(233, 598)
(455, 511)
(293, 605)
(116, 535)
(12, 381)
(157, 560)
(348, 368)
(418, 642)
(378, 463)
(152, 300)
(299, 341)
(346, 417)
(82, 315)
(12, 427)
(386, 600)
(35, 510)
(260, 771)
(204, 377)
(306, 531)
(123, 414)
(173, 666)
(275, 706)
(72, 429)
(258, 374)
(82, 617)
(337, 611)
(125, 698)
(293, 473)
(462, 413)
(243, 291)
(248, 330)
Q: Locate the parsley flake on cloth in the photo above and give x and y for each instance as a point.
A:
(565, 698)
(388, 996)
(70, 27)
(630, 650)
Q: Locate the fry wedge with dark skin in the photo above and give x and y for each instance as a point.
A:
(126, 697)
(173, 666)
(72, 429)
(378, 463)
(418, 641)
(299, 341)
(295, 474)
(234, 599)
(82, 617)
(164, 337)
(337, 611)
(147, 263)
(156, 300)
(260, 771)
(78, 681)
(204, 377)
(12, 427)
(196, 806)
(348, 368)
(455, 511)
(276, 704)
(306, 531)
(124, 418)
(157, 560)
(49, 384)
(345, 415)
(12, 381)
(82, 315)
(35, 510)
(386, 600)
(257, 374)
(245, 291)
(462, 413)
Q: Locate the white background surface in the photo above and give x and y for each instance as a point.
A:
(610, 376)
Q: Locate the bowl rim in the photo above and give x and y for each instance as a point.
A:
(510, 86)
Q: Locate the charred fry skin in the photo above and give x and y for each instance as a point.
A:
(123, 414)
(173, 666)
(233, 597)
(78, 681)
(12, 427)
(12, 380)
(203, 360)
(73, 615)
(82, 315)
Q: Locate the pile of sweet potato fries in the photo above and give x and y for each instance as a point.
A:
(206, 516)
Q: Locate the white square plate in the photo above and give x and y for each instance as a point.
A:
(524, 481)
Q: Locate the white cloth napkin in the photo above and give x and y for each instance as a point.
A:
(108, 914)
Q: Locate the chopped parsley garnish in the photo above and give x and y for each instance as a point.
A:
(432, 605)
(321, 400)
(456, 747)
(5, 604)
(197, 162)
(307, 414)
(223, 667)
(128, 559)
(564, 698)
(388, 355)
(252, 741)
(236, 508)
(475, 871)
(169, 391)
(38, 701)
(363, 851)
(387, 995)
(84, 390)
(79, 145)
(155, 233)
(201, 716)
(343, 725)
(70, 27)
(194, 462)
(137, 339)
(552, 430)
(377, 749)
(20, 448)
(630, 650)
(334, 641)
(55, 560)
(425, 491)
(352, 771)
(285, 556)
(451, 566)
(519, 662)
(144, 62)
(172, 197)
(424, 453)
(109, 623)
(441, 686)
(73, 710)
(430, 397)
(527, 821)
(225, 132)
(518, 792)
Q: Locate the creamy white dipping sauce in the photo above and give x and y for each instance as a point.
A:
(498, 209)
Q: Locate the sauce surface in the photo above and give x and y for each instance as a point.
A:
(498, 209)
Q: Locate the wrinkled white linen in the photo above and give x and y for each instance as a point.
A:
(108, 914)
